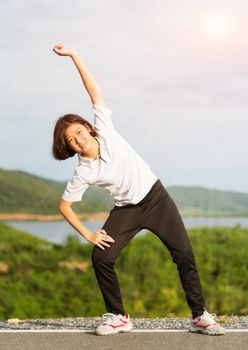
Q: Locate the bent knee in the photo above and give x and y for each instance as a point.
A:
(101, 257)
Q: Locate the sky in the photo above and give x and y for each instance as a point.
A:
(174, 74)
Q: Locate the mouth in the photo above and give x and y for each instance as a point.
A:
(82, 145)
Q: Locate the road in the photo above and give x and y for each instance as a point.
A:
(134, 340)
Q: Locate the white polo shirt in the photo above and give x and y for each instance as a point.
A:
(119, 169)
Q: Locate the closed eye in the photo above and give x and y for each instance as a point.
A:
(78, 132)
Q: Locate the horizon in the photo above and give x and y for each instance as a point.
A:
(170, 186)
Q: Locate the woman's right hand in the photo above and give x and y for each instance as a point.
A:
(60, 50)
(99, 237)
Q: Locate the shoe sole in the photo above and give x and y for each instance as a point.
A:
(125, 329)
(193, 329)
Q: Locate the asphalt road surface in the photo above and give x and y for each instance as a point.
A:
(134, 340)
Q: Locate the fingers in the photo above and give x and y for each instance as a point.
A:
(59, 49)
(100, 246)
(102, 238)
(58, 46)
(107, 236)
(104, 243)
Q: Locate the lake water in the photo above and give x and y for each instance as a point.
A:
(57, 231)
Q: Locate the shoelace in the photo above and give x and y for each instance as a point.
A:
(107, 316)
(209, 315)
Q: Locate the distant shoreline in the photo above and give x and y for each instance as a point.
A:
(41, 217)
(100, 216)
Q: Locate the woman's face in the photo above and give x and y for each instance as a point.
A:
(78, 138)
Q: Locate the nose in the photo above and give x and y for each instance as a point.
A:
(77, 140)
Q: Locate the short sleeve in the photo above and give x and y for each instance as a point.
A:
(75, 189)
(102, 117)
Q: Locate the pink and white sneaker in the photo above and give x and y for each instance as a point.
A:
(206, 324)
(112, 324)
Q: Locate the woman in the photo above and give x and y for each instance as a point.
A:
(105, 159)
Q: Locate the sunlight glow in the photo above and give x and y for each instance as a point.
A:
(218, 27)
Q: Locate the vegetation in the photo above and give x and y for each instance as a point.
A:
(39, 279)
(209, 202)
(21, 192)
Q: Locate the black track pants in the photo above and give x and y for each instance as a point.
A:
(158, 213)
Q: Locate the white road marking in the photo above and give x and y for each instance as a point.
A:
(92, 331)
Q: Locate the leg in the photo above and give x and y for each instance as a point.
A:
(162, 217)
(121, 225)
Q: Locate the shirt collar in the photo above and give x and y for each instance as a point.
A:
(84, 160)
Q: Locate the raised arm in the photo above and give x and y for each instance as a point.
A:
(89, 82)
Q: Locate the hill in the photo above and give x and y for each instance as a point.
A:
(197, 200)
(22, 192)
